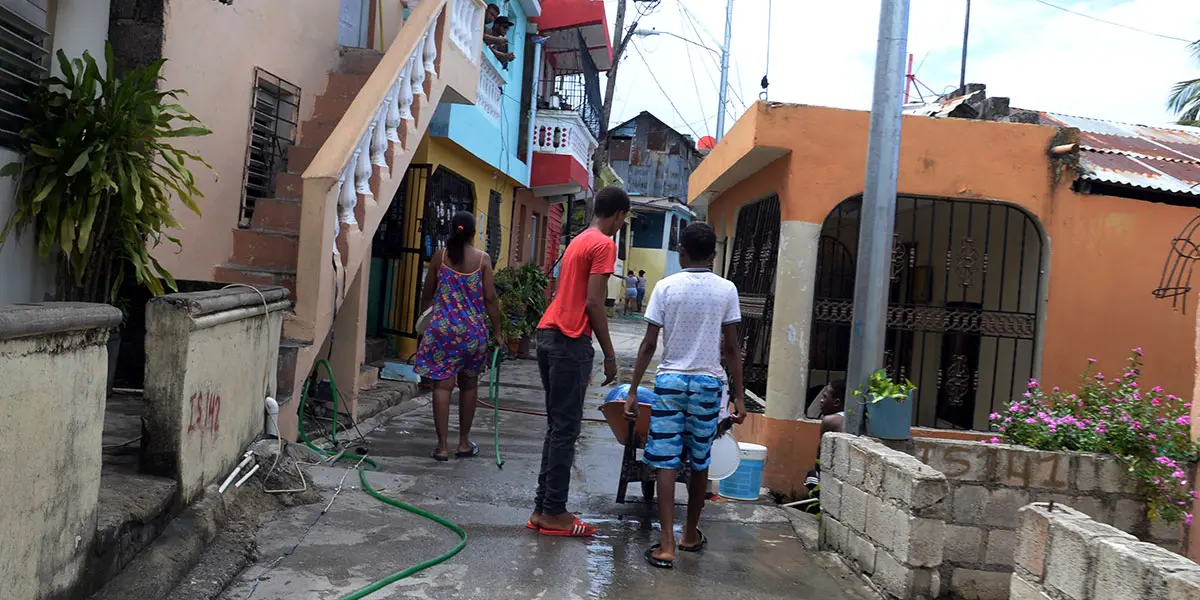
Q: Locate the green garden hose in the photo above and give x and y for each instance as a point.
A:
(366, 465)
(494, 396)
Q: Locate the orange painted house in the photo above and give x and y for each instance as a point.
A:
(1021, 249)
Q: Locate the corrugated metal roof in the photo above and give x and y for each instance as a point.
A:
(1154, 158)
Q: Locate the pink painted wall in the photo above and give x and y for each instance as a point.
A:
(212, 50)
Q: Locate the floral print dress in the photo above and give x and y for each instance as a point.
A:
(456, 339)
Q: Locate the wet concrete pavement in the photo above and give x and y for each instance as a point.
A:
(753, 550)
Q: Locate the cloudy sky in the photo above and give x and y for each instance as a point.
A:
(822, 52)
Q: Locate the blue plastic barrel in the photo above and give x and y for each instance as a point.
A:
(746, 481)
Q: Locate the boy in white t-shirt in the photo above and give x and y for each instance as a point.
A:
(699, 315)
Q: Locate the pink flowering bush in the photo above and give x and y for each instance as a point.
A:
(1146, 429)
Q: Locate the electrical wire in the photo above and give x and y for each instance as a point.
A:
(1113, 23)
(695, 84)
(767, 69)
(660, 88)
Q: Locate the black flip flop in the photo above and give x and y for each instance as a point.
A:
(697, 547)
(474, 451)
(656, 562)
(435, 456)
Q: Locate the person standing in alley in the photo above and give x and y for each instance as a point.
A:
(565, 357)
(641, 289)
(698, 314)
(459, 287)
(631, 282)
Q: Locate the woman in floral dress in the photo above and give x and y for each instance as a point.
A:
(459, 287)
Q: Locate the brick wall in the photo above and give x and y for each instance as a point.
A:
(884, 512)
(986, 485)
(1062, 554)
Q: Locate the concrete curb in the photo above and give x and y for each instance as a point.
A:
(160, 566)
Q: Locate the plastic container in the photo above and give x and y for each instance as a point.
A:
(746, 481)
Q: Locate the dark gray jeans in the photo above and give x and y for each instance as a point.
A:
(565, 364)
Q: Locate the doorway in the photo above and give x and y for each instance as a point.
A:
(964, 304)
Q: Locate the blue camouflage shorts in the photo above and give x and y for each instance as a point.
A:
(683, 418)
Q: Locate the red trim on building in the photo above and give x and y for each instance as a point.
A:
(563, 14)
(556, 169)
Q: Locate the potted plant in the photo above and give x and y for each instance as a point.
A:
(522, 301)
(888, 417)
(98, 175)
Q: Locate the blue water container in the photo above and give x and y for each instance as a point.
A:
(619, 393)
(746, 481)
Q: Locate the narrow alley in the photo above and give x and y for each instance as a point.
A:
(755, 551)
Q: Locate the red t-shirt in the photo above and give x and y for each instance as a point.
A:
(590, 253)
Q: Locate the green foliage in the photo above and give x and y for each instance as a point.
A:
(522, 299)
(1147, 429)
(98, 174)
(1185, 96)
(879, 386)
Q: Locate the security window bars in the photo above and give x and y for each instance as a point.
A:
(274, 118)
(24, 58)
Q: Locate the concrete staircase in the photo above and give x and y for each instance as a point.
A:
(266, 252)
(314, 236)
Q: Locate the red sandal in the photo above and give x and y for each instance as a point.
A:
(579, 528)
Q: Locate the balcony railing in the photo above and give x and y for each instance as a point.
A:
(491, 86)
(563, 132)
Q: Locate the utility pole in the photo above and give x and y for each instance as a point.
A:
(962, 72)
(724, 70)
(878, 208)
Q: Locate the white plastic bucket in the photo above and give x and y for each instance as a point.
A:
(746, 481)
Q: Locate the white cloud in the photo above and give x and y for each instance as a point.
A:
(823, 53)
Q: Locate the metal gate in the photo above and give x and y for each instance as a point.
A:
(396, 243)
(449, 193)
(415, 226)
(965, 293)
(752, 269)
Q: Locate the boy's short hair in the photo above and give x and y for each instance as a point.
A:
(699, 240)
(610, 201)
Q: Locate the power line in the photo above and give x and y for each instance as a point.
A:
(1113, 23)
(692, 70)
(664, 92)
(737, 72)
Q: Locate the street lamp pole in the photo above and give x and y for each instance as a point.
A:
(724, 70)
(873, 272)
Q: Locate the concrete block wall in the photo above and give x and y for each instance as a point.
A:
(885, 513)
(211, 360)
(1063, 554)
(54, 362)
(868, 492)
(990, 482)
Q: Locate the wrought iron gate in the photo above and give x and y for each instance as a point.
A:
(396, 242)
(964, 303)
(752, 269)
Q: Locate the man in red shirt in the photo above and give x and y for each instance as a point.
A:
(565, 357)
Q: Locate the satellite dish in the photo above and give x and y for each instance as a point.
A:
(707, 142)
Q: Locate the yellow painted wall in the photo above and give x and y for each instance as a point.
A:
(653, 262)
(441, 152)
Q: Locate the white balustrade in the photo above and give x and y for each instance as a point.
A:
(563, 132)
(379, 141)
(394, 119)
(466, 27)
(406, 93)
(429, 54)
(362, 162)
(418, 72)
(347, 198)
(491, 88)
